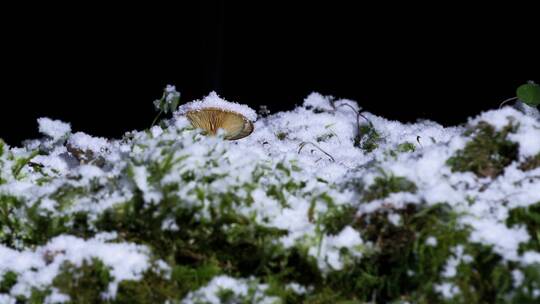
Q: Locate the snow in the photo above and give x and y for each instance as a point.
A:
(57, 297)
(126, 261)
(448, 290)
(140, 176)
(505, 240)
(328, 254)
(52, 162)
(156, 131)
(431, 241)
(7, 299)
(55, 129)
(531, 257)
(329, 167)
(243, 290)
(214, 101)
(297, 288)
(86, 142)
(517, 277)
(450, 269)
(171, 93)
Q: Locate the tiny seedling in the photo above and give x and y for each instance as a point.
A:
(167, 103)
(368, 132)
(263, 110)
(528, 94)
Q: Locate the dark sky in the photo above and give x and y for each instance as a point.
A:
(100, 69)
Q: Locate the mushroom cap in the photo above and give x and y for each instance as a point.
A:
(211, 119)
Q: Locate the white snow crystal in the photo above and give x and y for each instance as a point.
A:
(214, 101)
(55, 129)
(448, 290)
(431, 241)
(330, 171)
(140, 175)
(297, 288)
(86, 142)
(243, 290)
(517, 277)
(125, 261)
(531, 257)
(328, 254)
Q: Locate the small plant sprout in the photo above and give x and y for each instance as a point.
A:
(528, 94)
(264, 111)
(167, 103)
(214, 113)
(365, 137)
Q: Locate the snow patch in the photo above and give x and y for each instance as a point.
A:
(214, 101)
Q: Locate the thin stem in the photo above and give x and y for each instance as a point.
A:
(303, 144)
(354, 110)
(358, 115)
(507, 101)
(157, 116)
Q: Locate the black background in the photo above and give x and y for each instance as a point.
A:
(101, 68)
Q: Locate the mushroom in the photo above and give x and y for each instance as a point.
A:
(214, 113)
(236, 126)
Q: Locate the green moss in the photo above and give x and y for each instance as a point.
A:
(152, 288)
(530, 218)
(384, 275)
(214, 234)
(406, 147)
(337, 218)
(281, 135)
(11, 227)
(84, 284)
(9, 279)
(21, 162)
(2, 147)
(66, 195)
(37, 296)
(488, 153)
(368, 138)
(530, 163)
(383, 186)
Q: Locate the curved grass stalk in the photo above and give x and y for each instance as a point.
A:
(304, 143)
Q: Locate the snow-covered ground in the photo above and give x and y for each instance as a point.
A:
(308, 182)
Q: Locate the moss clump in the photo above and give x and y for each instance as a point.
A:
(84, 284)
(11, 230)
(405, 267)
(488, 153)
(530, 163)
(401, 265)
(529, 217)
(281, 135)
(383, 186)
(405, 147)
(368, 138)
(152, 288)
(7, 281)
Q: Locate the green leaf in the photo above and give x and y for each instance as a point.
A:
(529, 94)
